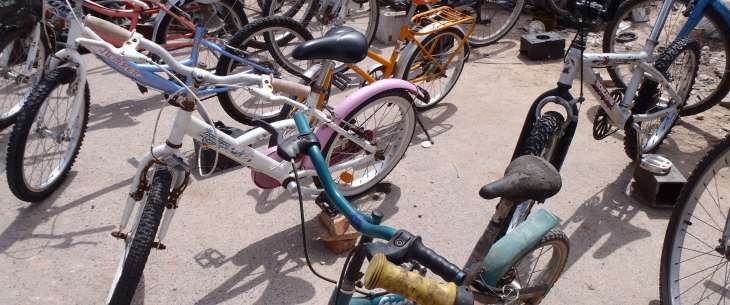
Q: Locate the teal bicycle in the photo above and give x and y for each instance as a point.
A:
(520, 267)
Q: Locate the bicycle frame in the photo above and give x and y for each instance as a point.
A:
(695, 16)
(413, 40)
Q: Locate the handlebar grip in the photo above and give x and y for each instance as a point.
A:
(435, 262)
(425, 291)
(108, 31)
(289, 87)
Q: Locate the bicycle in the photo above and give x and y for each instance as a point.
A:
(687, 19)
(493, 19)
(646, 110)
(50, 127)
(498, 271)
(163, 174)
(24, 46)
(433, 57)
(697, 234)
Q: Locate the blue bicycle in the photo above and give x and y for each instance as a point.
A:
(705, 21)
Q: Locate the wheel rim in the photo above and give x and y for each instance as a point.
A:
(494, 18)
(542, 266)
(52, 140)
(681, 78)
(256, 107)
(697, 271)
(437, 77)
(388, 123)
(14, 83)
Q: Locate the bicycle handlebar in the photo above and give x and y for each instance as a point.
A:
(123, 43)
(427, 291)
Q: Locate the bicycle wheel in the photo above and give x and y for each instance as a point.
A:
(387, 120)
(15, 81)
(140, 240)
(46, 138)
(239, 103)
(679, 64)
(361, 15)
(540, 267)
(632, 25)
(494, 19)
(694, 264)
(541, 142)
(227, 18)
(437, 66)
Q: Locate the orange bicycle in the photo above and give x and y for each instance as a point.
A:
(430, 52)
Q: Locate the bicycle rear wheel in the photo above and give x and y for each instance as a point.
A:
(139, 243)
(239, 103)
(631, 26)
(227, 18)
(387, 120)
(47, 137)
(15, 81)
(494, 19)
(694, 263)
(433, 71)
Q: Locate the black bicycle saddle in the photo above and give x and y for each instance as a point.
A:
(343, 44)
(527, 177)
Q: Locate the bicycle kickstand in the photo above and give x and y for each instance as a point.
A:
(429, 141)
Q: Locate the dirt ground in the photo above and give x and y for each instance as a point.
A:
(232, 243)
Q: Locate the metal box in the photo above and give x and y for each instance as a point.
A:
(389, 25)
(658, 191)
(539, 46)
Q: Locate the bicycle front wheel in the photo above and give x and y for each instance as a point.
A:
(633, 23)
(139, 242)
(15, 81)
(437, 66)
(679, 64)
(694, 264)
(47, 136)
(494, 19)
(388, 121)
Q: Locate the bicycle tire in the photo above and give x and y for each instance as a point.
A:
(136, 253)
(680, 222)
(7, 118)
(428, 43)
(237, 6)
(398, 96)
(22, 130)
(240, 41)
(308, 19)
(504, 30)
(714, 18)
(560, 244)
(646, 98)
(540, 142)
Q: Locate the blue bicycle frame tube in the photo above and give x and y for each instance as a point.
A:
(697, 12)
(362, 223)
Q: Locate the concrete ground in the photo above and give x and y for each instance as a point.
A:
(232, 243)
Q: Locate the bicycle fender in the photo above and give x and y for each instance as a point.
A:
(160, 15)
(411, 49)
(510, 248)
(352, 102)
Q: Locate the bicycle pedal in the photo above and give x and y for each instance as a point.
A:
(159, 245)
(341, 81)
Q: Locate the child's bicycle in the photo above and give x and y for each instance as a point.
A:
(521, 266)
(646, 109)
(369, 131)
